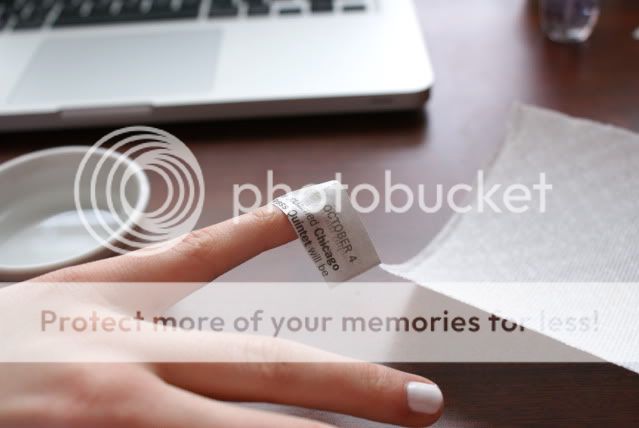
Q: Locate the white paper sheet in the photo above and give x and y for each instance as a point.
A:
(589, 233)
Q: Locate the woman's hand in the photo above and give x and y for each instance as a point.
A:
(198, 394)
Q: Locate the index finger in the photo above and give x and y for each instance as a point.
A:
(201, 256)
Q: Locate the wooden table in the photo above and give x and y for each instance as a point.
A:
(487, 55)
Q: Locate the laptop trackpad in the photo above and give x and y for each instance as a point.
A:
(121, 67)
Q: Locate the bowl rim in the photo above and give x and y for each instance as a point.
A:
(31, 270)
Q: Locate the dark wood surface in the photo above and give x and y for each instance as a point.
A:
(487, 55)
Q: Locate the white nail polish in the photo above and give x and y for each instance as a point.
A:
(424, 397)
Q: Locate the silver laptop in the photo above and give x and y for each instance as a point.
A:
(69, 63)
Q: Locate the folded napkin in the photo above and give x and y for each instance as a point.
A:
(579, 256)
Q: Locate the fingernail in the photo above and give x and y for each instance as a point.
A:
(424, 397)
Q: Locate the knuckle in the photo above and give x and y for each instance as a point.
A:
(110, 392)
(271, 349)
(264, 220)
(85, 385)
(377, 378)
(264, 214)
(196, 246)
(277, 372)
(76, 381)
(272, 366)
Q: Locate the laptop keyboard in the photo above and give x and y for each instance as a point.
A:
(20, 15)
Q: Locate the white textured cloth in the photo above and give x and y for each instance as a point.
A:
(589, 233)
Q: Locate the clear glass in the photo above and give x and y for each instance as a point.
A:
(569, 21)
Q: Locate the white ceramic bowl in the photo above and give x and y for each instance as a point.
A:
(40, 227)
